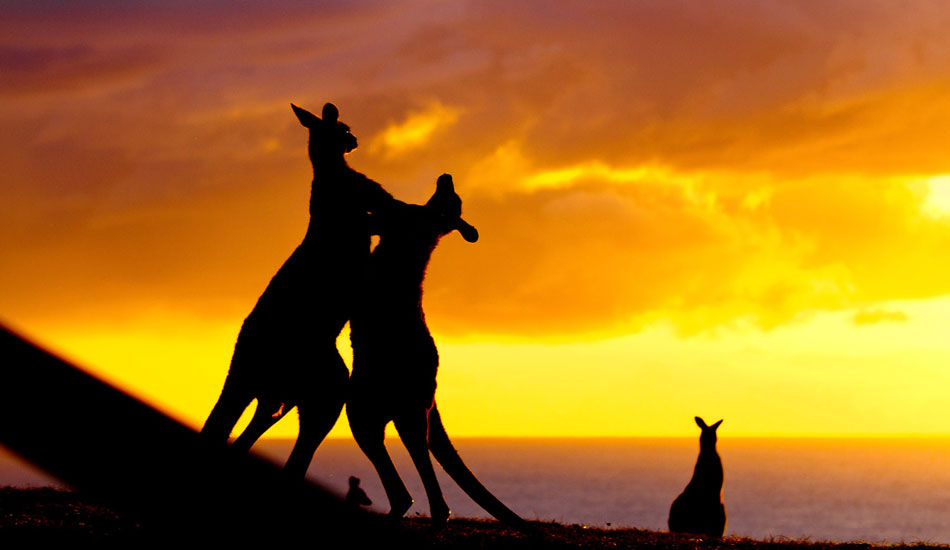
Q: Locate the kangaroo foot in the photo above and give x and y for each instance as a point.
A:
(440, 517)
(399, 508)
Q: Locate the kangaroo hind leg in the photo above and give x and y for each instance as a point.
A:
(413, 430)
(265, 416)
(316, 420)
(318, 409)
(369, 434)
(226, 412)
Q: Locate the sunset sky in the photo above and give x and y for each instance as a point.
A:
(736, 210)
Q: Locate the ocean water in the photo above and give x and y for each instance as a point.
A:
(875, 489)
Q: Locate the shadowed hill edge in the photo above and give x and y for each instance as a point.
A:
(116, 449)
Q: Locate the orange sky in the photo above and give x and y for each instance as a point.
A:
(735, 209)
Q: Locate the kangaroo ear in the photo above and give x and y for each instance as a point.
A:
(469, 233)
(444, 184)
(700, 423)
(308, 119)
(330, 113)
(716, 425)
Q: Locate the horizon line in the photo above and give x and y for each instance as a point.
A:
(893, 435)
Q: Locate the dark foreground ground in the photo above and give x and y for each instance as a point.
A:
(47, 515)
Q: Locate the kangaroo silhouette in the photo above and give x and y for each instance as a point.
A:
(355, 495)
(286, 355)
(699, 509)
(395, 359)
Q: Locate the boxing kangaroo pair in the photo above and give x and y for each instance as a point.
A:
(286, 355)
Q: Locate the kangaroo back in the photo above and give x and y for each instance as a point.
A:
(443, 451)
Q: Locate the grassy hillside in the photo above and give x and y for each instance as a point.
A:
(47, 515)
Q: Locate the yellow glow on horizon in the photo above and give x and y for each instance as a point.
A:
(824, 376)
(937, 202)
(828, 375)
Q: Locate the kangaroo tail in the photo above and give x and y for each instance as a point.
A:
(452, 463)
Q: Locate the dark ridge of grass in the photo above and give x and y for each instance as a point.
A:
(50, 515)
(46, 514)
(464, 533)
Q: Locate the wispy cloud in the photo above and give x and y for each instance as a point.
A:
(46, 71)
(873, 317)
(415, 131)
(624, 162)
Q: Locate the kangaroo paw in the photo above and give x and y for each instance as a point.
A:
(399, 508)
(440, 518)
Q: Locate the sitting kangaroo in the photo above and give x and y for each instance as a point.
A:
(286, 355)
(699, 509)
(395, 359)
(355, 495)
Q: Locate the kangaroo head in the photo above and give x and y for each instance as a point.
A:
(708, 436)
(425, 224)
(447, 206)
(329, 138)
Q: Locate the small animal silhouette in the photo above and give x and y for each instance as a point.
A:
(356, 496)
(699, 509)
(286, 355)
(395, 359)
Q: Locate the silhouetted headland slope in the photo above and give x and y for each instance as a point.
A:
(144, 465)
